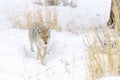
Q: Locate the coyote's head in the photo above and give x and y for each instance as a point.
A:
(45, 34)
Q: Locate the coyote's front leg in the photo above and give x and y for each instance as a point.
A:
(45, 52)
(41, 55)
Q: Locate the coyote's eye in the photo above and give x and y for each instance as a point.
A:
(47, 36)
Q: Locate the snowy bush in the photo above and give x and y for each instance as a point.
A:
(23, 21)
(71, 3)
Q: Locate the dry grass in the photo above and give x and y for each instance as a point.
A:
(55, 25)
(24, 20)
(52, 19)
(15, 21)
(104, 55)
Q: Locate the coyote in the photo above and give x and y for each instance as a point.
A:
(39, 35)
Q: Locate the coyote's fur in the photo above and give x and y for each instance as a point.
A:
(39, 35)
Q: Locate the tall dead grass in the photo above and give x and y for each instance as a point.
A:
(104, 55)
(46, 16)
(51, 19)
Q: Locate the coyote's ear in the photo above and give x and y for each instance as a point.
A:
(38, 30)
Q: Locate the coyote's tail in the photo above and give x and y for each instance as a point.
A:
(36, 31)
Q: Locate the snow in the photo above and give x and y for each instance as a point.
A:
(11, 57)
(18, 62)
(66, 52)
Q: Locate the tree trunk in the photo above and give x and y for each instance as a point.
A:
(114, 19)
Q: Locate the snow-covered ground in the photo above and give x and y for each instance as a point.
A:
(66, 58)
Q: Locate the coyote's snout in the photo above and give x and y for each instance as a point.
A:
(39, 34)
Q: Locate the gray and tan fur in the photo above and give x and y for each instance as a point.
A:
(39, 35)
